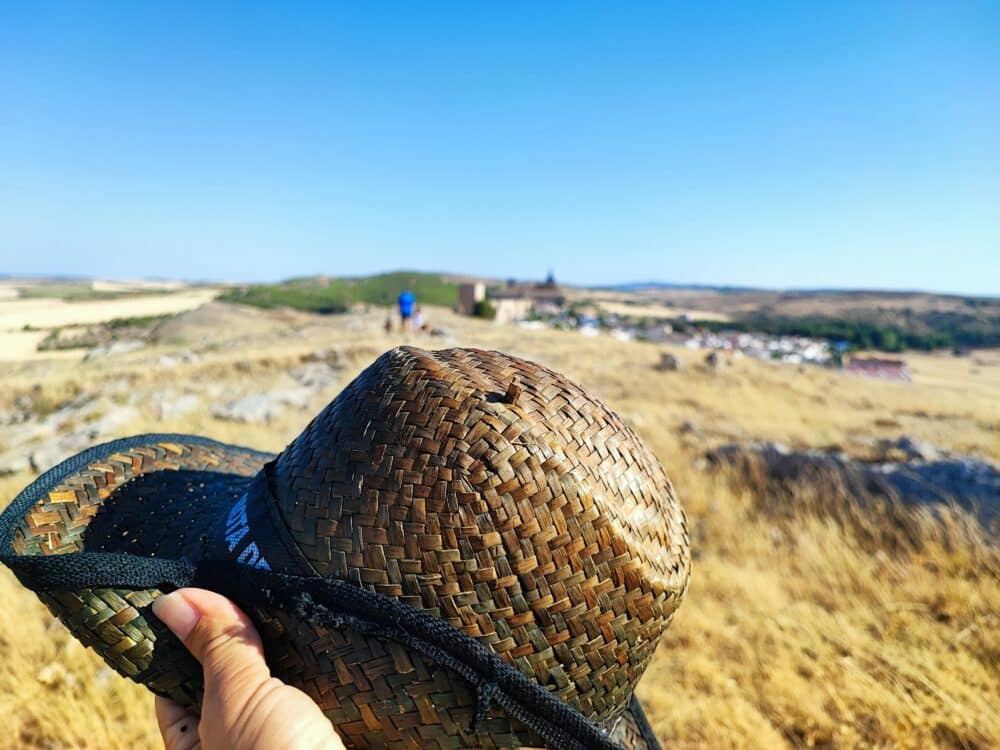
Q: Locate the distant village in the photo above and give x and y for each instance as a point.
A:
(543, 304)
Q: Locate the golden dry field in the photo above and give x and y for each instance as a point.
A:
(798, 629)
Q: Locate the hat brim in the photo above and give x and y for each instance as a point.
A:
(156, 495)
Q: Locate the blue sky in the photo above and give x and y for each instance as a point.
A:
(787, 144)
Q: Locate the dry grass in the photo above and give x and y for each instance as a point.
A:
(799, 628)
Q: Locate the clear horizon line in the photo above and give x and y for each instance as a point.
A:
(609, 286)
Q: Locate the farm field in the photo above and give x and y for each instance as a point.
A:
(24, 322)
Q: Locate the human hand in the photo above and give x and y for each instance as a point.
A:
(244, 707)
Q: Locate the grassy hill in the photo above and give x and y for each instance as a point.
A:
(324, 294)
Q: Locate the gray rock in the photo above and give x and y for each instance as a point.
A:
(115, 347)
(929, 476)
(104, 420)
(98, 415)
(84, 405)
(53, 452)
(968, 481)
(13, 417)
(117, 388)
(26, 433)
(113, 419)
(13, 462)
(919, 450)
(297, 397)
(77, 424)
(330, 357)
(263, 407)
(713, 361)
(172, 406)
(172, 360)
(669, 362)
(315, 374)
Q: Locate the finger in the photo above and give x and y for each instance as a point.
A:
(220, 636)
(178, 727)
(243, 706)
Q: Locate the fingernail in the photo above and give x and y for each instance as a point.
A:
(176, 613)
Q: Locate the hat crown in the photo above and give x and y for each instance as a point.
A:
(499, 496)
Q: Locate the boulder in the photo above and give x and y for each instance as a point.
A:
(263, 407)
(930, 475)
(329, 357)
(172, 360)
(13, 462)
(713, 361)
(669, 362)
(916, 450)
(315, 374)
(103, 420)
(115, 347)
(172, 406)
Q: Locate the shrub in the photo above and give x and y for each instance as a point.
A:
(484, 309)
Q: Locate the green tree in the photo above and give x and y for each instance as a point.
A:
(484, 309)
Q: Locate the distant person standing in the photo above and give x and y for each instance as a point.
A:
(406, 300)
(418, 319)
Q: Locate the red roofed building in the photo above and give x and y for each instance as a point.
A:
(873, 367)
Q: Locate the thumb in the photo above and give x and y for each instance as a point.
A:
(243, 705)
(220, 636)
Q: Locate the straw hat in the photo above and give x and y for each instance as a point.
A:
(475, 488)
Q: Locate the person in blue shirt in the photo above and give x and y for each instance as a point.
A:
(406, 302)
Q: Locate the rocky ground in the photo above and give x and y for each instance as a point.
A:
(902, 470)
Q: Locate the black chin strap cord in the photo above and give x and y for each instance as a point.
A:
(338, 605)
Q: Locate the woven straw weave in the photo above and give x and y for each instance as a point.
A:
(485, 489)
